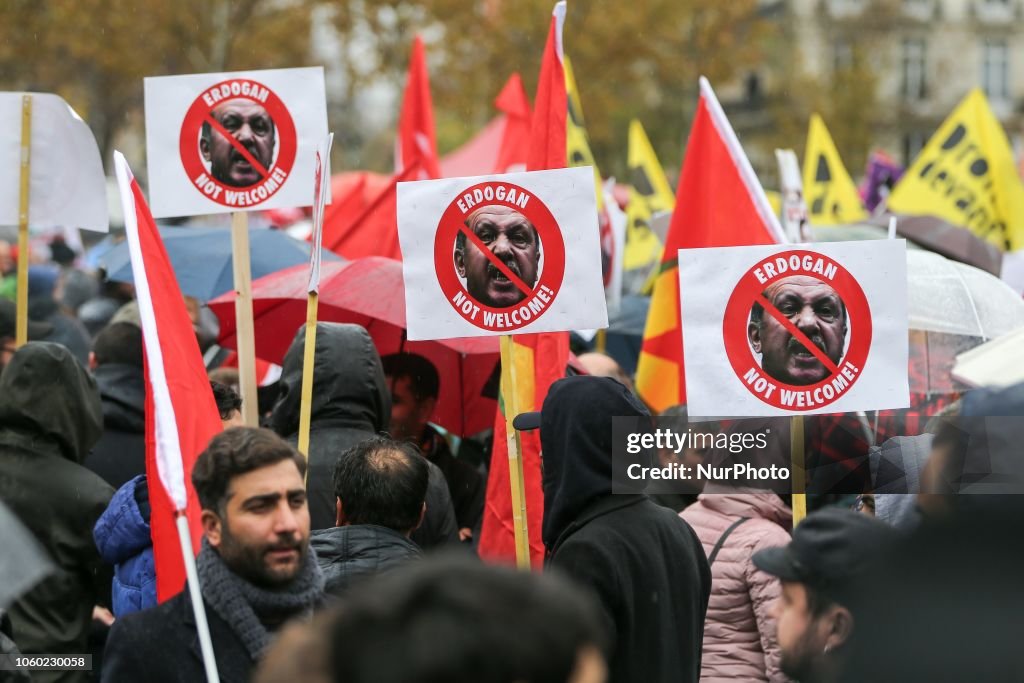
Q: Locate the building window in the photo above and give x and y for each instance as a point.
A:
(913, 143)
(913, 69)
(921, 10)
(842, 56)
(995, 68)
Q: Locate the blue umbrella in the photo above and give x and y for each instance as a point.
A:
(201, 258)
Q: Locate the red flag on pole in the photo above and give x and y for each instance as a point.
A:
(181, 414)
(513, 102)
(540, 359)
(416, 143)
(719, 203)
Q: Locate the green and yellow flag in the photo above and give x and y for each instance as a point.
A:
(649, 192)
(831, 196)
(967, 176)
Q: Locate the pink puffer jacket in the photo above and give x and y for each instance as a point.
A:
(739, 633)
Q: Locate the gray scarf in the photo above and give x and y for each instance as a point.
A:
(245, 606)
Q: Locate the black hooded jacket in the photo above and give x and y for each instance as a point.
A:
(642, 561)
(49, 419)
(351, 403)
(120, 454)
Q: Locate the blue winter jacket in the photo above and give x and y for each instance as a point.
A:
(122, 537)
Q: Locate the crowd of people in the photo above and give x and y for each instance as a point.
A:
(358, 563)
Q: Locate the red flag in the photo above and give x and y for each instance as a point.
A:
(500, 146)
(181, 414)
(719, 203)
(540, 358)
(515, 140)
(416, 143)
(354, 229)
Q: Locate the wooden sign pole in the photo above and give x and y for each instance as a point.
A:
(515, 460)
(245, 332)
(21, 324)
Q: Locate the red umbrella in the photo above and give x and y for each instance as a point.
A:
(370, 292)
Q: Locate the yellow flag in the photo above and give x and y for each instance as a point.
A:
(576, 141)
(832, 198)
(966, 175)
(649, 192)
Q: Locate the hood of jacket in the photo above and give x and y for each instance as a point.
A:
(349, 389)
(121, 531)
(123, 394)
(576, 446)
(45, 391)
(744, 501)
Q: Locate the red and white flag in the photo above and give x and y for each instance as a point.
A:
(719, 203)
(416, 144)
(181, 414)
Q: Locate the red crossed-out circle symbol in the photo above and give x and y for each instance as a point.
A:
(536, 297)
(271, 176)
(839, 376)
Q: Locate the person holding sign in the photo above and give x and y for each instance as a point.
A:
(243, 160)
(513, 242)
(815, 312)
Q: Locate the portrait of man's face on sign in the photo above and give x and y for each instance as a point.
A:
(816, 310)
(252, 129)
(512, 241)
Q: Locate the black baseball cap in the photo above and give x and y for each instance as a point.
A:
(8, 322)
(831, 551)
(525, 422)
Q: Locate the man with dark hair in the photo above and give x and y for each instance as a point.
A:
(816, 310)
(116, 363)
(256, 570)
(381, 486)
(511, 239)
(495, 624)
(415, 386)
(252, 128)
(642, 561)
(8, 323)
(822, 571)
(351, 404)
(229, 405)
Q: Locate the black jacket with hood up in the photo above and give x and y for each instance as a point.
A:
(120, 454)
(49, 419)
(351, 403)
(642, 561)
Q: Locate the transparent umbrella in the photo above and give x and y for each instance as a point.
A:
(952, 308)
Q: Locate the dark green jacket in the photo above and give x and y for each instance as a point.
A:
(50, 417)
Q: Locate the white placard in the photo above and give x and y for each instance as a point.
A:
(501, 254)
(744, 310)
(321, 185)
(239, 141)
(67, 187)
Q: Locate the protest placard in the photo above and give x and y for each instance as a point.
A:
(240, 141)
(784, 330)
(501, 254)
(66, 186)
